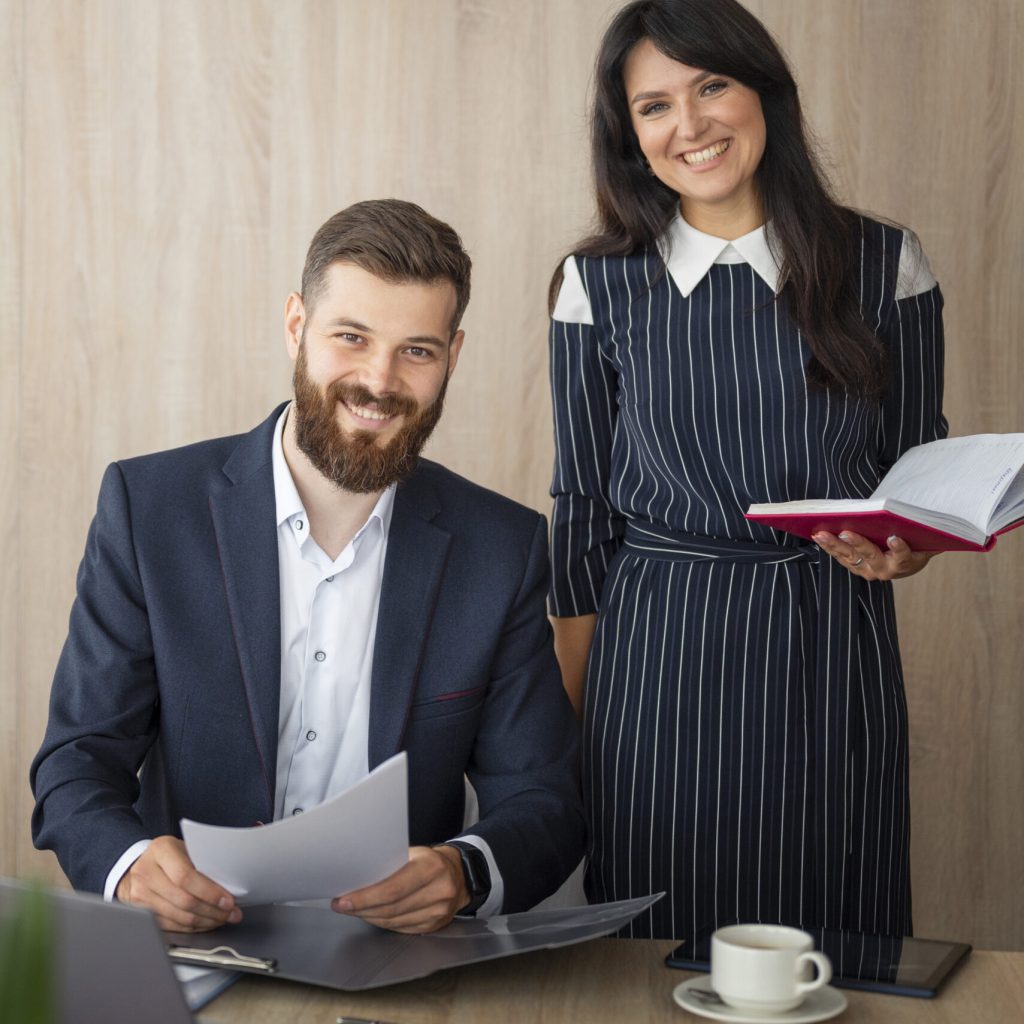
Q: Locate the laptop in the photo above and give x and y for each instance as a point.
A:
(111, 964)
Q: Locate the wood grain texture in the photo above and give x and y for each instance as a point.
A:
(14, 694)
(606, 981)
(163, 167)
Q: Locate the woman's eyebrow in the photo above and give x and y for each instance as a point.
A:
(658, 93)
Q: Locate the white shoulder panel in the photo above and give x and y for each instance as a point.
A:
(915, 276)
(573, 306)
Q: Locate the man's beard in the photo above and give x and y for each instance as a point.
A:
(355, 461)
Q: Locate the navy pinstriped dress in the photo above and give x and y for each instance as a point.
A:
(745, 733)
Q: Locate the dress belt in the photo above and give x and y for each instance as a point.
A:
(651, 540)
(833, 689)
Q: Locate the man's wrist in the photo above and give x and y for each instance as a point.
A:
(452, 856)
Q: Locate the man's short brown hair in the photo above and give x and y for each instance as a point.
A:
(393, 240)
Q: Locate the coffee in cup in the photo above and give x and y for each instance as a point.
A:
(765, 968)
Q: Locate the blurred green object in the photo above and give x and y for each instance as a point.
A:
(27, 960)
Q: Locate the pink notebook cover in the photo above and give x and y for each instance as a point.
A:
(877, 527)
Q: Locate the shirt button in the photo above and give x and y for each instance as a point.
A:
(320, 656)
(311, 735)
(299, 524)
(298, 810)
(330, 579)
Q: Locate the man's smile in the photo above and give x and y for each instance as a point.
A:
(370, 417)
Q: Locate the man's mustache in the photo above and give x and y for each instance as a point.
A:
(356, 394)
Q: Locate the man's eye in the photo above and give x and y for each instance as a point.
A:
(419, 353)
(352, 339)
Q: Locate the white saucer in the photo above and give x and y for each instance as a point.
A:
(821, 1004)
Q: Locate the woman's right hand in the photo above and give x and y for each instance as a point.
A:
(573, 638)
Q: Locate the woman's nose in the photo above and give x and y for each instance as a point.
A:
(691, 122)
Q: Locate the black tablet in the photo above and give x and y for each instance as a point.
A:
(897, 966)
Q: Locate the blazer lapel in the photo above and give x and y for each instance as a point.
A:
(413, 568)
(244, 523)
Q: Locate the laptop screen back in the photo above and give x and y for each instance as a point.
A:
(111, 964)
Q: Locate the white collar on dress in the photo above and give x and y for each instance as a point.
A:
(689, 254)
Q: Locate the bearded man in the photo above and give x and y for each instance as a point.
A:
(262, 619)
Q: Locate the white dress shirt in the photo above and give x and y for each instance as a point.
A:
(689, 254)
(328, 627)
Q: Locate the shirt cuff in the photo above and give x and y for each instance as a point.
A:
(120, 869)
(492, 905)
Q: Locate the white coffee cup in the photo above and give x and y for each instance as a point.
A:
(765, 968)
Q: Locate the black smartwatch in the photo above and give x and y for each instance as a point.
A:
(477, 875)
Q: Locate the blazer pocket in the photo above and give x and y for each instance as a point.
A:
(445, 705)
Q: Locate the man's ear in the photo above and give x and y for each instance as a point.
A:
(454, 348)
(294, 322)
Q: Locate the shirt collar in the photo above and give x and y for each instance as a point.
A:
(689, 254)
(286, 494)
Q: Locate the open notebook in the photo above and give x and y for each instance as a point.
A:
(951, 495)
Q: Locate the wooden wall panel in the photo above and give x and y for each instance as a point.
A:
(919, 109)
(163, 167)
(14, 694)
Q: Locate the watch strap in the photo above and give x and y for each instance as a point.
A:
(477, 875)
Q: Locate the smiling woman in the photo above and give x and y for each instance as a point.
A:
(702, 135)
(732, 333)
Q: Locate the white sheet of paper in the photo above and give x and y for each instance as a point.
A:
(354, 839)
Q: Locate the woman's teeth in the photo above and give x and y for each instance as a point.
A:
(704, 155)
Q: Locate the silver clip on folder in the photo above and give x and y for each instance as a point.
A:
(221, 956)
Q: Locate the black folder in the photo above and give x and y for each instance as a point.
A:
(313, 944)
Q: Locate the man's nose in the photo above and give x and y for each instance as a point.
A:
(378, 374)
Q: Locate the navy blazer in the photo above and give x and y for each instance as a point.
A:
(172, 665)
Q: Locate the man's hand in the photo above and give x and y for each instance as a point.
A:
(164, 880)
(421, 896)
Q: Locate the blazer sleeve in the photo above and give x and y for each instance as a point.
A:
(525, 761)
(915, 345)
(103, 706)
(585, 529)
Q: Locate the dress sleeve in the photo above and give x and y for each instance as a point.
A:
(585, 529)
(912, 407)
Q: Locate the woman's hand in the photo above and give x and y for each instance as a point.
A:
(869, 562)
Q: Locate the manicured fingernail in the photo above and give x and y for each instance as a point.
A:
(225, 903)
(235, 916)
(342, 906)
(891, 541)
(845, 537)
(818, 538)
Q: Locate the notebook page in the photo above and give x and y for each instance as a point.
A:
(962, 476)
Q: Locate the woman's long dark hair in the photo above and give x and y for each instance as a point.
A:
(818, 241)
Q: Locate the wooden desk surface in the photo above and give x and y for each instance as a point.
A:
(607, 981)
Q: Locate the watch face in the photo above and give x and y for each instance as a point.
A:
(477, 875)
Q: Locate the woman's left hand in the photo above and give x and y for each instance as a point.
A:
(869, 562)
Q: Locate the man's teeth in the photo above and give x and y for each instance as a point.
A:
(705, 155)
(367, 414)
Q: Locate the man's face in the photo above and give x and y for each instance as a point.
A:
(372, 361)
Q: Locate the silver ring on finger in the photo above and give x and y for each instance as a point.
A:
(858, 563)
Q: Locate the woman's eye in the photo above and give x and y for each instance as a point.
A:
(653, 108)
(713, 88)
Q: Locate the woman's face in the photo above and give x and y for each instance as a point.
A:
(703, 135)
